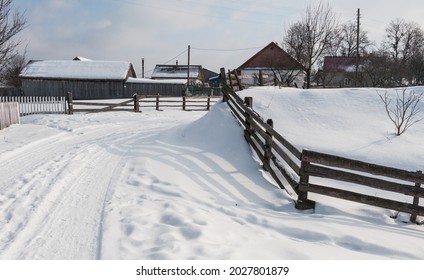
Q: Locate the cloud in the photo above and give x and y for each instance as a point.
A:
(102, 24)
(60, 5)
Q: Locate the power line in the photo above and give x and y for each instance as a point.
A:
(178, 55)
(226, 50)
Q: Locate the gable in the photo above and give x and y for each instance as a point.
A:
(272, 56)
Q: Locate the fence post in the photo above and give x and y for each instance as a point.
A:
(248, 130)
(136, 104)
(224, 85)
(208, 104)
(268, 147)
(70, 103)
(157, 102)
(231, 80)
(303, 203)
(184, 103)
(238, 80)
(416, 200)
(261, 78)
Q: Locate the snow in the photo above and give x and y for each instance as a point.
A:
(185, 185)
(151, 81)
(75, 69)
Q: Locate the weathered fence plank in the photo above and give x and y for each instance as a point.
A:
(9, 114)
(351, 167)
(362, 198)
(356, 165)
(339, 175)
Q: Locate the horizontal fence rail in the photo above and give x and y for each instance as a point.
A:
(385, 179)
(29, 105)
(295, 170)
(9, 114)
(138, 102)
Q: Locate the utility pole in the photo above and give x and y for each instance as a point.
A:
(357, 46)
(142, 67)
(188, 68)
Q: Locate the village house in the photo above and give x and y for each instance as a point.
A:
(200, 79)
(178, 72)
(340, 71)
(271, 65)
(84, 78)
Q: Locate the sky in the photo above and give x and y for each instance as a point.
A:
(221, 33)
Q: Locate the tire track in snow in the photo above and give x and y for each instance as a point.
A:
(71, 185)
(53, 191)
(57, 207)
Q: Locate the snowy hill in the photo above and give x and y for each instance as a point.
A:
(347, 122)
(184, 185)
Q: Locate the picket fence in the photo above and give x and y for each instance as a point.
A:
(29, 105)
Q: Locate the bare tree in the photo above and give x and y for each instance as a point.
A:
(404, 41)
(416, 69)
(405, 112)
(12, 68)
(348, 40)
(310, 38)
(11, 23)
(377, 69)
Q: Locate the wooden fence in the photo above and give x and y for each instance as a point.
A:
(9, 114)
(406, 184)
(138, 102)
(29, 105)
(293, 170)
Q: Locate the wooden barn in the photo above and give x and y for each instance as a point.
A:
(86, 79)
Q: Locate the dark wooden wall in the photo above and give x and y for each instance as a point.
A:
(81, 89)
(165, 89)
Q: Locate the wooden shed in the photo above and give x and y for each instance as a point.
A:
(86, 79)
(144, 86)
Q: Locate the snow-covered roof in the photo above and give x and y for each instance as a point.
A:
(75, 69)
(151, 81)
(176, 72)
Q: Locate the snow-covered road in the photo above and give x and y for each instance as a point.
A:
(54, 185)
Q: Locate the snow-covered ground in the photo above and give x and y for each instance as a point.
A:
(185, 185)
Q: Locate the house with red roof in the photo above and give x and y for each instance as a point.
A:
(272, 65)
(340, 71)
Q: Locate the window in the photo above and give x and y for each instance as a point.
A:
(347, 82)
